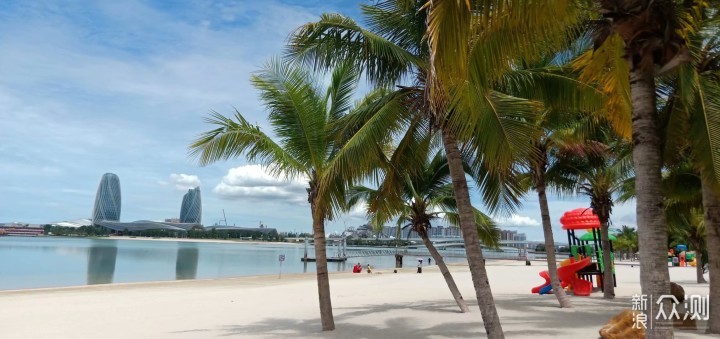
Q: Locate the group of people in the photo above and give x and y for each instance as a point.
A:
(358, 268)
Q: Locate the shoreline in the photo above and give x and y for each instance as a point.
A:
(219, 241)
(378, 305)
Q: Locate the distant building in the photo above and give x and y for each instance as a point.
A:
(514, 238)
(21, 229)
(108, 199)
(191, 208)
(73, 223)
(106, 211)
(175, 220)
(508, 235)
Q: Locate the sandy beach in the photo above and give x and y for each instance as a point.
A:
(379, 305)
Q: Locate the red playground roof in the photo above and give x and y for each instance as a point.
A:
(579, 219)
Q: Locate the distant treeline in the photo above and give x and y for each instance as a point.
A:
(272, 235)
(82, 231)
(375, 242)
(92, 231)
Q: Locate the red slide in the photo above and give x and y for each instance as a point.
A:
(543, 274)
(568, 274)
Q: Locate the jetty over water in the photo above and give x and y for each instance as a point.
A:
(448, 248)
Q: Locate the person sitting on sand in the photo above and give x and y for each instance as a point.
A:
(369, 269)
(357, 268)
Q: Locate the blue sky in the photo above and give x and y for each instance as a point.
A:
(122, 87)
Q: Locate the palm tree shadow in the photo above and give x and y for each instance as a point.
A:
(544, 319)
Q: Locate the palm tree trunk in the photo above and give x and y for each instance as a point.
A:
(652, 227)
(323, 279)
(445, 272)
(608, 281)
(711, 206)
(559, 292)
(490, 317)
(699, 268)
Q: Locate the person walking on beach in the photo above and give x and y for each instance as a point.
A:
(429, 261)
(420, 261)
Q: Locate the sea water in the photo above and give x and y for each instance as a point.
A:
(35, 262)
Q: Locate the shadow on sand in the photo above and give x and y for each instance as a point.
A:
(525, 315)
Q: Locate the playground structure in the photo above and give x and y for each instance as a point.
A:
(680, 256)
(585, 259)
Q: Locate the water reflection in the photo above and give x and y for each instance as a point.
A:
(186, 263)
(101, 262)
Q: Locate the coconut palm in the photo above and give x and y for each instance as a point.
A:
(692, 109)
(652, 35)
(689, 228)
(602, 178)
(683, 208)
(486, 122)
(415, 202)
(626, 240)
(304, 118)
(392, 51)
(552, 81)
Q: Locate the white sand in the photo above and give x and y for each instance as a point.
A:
(386, 305)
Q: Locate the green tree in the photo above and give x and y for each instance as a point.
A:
(563, 122)
(691, 130)
(602, 178)
(416, 201)
(651, 35)
(304, 119)
(626, 240)
(689, 228)
(470, 115)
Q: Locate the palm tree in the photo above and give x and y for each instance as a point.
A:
(394, 50)
(689, 228)
(485, 122)
(652, 36)
(418, 200)
(601, 178)
(304, 119)
(626, 240)
(551, 80)
(693, 109)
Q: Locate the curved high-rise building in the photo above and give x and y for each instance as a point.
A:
(191, 208)
(107, 199)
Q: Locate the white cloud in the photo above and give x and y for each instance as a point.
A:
(184, 181)
(253, 182)
(517, 221)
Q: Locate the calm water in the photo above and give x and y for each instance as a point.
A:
(56, 261)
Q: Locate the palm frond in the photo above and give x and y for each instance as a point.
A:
(233, 138)
(606, 68)
(335, 39)
(297, 110)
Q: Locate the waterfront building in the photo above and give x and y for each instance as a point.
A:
(107, 208)
(191, 208)
(108, 199)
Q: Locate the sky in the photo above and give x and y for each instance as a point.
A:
(123, 86)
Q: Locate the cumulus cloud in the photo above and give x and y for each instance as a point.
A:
(253, 182)
(517, 221)
(184, 181)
